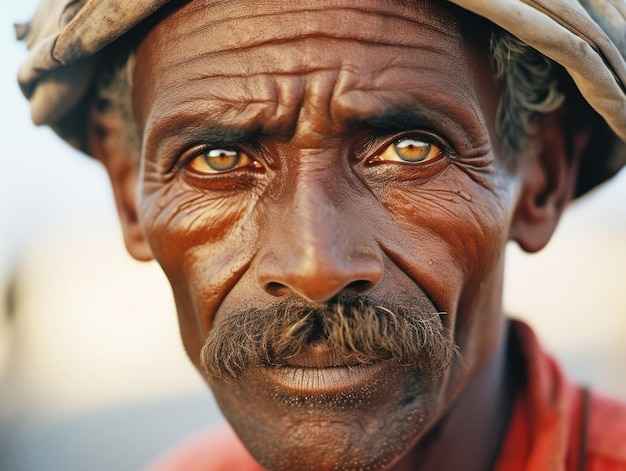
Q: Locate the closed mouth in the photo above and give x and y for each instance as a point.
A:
(323, 380)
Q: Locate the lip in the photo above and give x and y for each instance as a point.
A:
(320, 370)
(323, 380)
(320, 356)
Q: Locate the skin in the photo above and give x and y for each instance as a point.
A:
(320, 203)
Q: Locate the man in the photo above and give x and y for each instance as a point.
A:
(329, 187)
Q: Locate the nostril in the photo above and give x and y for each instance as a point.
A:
(318, 276)
(359, 286)
(275, 289)
(279, 289)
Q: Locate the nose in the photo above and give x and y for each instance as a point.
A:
(318, 245)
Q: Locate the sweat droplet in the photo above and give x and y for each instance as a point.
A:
(465, 195)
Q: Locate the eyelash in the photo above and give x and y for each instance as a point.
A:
(197, 150)
(374, 146)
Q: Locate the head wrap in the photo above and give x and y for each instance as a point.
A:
(586, 37)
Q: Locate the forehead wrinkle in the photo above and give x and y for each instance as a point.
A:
(293, 61)
(277, 99)
(288, 63)
(419, 83)
(274, 111)
(453, 110)
(241, 38)
(361, 10)
(300, 60)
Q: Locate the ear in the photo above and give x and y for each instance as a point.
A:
(549, 170)
(106, 137)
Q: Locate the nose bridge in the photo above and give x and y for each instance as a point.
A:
(315, 208)
(318, 245)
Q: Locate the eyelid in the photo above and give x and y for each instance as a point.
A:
(195, 138)
(195, 151)
(427, 136)
(190, 154)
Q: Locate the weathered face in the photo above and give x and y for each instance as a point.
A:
(299, 155)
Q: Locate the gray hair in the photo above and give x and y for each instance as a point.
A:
(530, 88)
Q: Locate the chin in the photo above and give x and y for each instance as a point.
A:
(335, 424)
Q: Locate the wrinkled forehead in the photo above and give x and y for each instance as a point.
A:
(244, 23)
(219, 45)
(217, 28)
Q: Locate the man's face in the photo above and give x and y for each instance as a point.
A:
(300, 157)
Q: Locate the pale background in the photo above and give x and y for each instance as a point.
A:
(92, 371)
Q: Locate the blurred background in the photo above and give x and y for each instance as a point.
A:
(93, 375)
(92, 370)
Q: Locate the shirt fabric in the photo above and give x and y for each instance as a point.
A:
(555, 425)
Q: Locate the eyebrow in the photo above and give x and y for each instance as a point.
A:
(391, 120)
(219, 135)
(394, 120)
(167, 136)
(191, 130)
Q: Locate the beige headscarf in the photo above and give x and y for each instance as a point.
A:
(65, 37)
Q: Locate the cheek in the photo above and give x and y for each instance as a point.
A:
(454, 232)
(199, 240)
(453, 229)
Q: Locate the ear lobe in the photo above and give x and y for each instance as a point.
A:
(549, 170)
(123, 167)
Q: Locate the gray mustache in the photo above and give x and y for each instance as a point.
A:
(357, 329)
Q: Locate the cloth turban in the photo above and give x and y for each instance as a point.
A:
(586, 37)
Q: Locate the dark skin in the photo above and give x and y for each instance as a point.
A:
(348, 148)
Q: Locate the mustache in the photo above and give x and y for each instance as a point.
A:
(356, 329)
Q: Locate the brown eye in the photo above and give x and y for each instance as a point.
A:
(213, 161)
(409, 150)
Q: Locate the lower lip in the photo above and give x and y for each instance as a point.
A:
(331, 380)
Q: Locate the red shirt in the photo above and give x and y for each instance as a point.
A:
(554, 426)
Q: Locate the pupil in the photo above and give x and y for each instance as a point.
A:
(222, 159)
(412, 150)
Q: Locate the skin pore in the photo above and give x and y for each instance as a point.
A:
(298, 155)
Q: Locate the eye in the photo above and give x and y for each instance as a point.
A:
(213, 161)
(408, 150)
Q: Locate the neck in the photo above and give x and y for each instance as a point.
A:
(469, 435)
